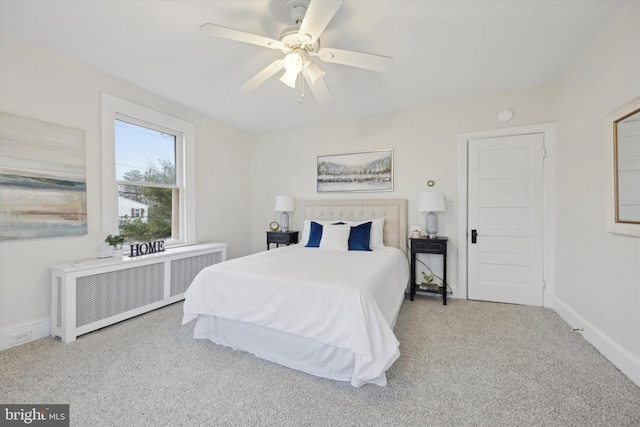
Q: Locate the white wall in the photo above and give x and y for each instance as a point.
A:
(425, 143)
(42, 85)
(597, 273)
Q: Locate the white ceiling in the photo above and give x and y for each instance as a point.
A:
(441, 50)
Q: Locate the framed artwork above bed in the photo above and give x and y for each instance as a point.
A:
(367, 171)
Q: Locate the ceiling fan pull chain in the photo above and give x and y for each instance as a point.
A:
(301, 88)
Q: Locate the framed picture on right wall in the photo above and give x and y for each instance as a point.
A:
(623, 207)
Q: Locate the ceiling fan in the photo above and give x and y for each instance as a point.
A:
(300, 44)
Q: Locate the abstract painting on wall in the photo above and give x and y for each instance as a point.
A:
(366, 171)
(42, 179)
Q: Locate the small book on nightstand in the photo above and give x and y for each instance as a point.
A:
(430, 287)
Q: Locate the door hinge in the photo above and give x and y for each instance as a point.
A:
(544, 153)
(544, 285)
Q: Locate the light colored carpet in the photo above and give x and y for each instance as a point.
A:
(466, 364)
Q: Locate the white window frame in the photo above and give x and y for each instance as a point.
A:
(114, 108)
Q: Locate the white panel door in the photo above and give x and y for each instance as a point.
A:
(506, 219)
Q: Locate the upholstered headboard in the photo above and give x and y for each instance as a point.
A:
(393, 210)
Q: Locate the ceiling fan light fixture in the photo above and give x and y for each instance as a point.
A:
(314, 72)
(293, 62)
(289, 78)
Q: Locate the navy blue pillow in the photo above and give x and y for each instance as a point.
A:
(359, 237)
(315, 235)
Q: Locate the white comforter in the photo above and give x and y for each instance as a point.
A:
(345, 299)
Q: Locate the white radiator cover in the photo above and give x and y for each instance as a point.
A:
(92, 294)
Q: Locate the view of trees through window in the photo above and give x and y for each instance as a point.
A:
(146, 177)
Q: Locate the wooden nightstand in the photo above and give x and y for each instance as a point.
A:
(281, 238)
(423, 245)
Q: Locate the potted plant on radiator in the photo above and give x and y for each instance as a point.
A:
(117, 241)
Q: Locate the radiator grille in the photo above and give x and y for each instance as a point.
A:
(183, 271)
(103, 295)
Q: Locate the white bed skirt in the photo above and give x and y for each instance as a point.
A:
(300, 353)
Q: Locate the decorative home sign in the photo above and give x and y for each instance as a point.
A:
(366, 171)
(42, 179)
(138, 249)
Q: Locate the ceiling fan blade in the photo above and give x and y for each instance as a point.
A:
(262, 76)
(319, 89)
(241, 36)
(317, 18)
(356, 59)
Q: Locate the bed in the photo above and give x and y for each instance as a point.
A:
(327, 311)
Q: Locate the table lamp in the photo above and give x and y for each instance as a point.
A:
(431, 202)
(284, 204)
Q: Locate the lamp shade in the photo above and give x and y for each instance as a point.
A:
(293, 62)
(284, 204)
(431, 201)
(289, 78)
(314, 72)
(293, 65)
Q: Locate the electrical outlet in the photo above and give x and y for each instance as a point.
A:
(19, 337)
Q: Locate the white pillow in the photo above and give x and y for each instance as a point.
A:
(335, 237)
(376, 240)
(306, 228)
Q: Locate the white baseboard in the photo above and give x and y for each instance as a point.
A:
(620, 357)
(30, 330)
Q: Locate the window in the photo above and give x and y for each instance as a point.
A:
(147, 175)
(147, 170)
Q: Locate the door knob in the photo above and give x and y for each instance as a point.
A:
(474, 236)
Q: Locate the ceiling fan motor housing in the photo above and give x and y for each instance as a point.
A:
(291, 40)
(290, 37)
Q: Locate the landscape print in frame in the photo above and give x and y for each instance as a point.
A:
(364, 171)
(42, 179)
